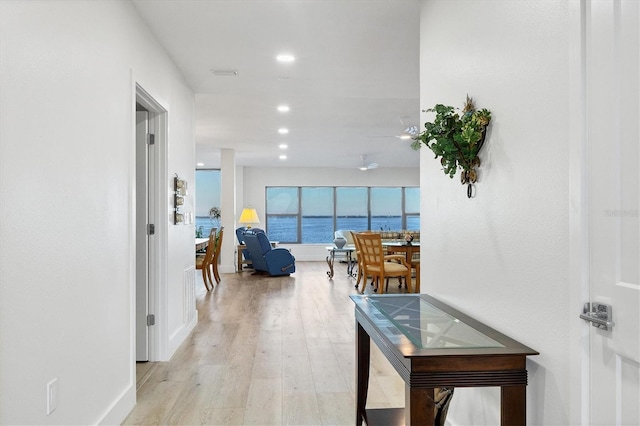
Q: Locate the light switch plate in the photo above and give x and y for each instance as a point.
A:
(52, 396)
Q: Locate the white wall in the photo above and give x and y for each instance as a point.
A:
(503, 256)
(68, 74)
(256, 179)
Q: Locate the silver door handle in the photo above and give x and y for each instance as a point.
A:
(599, 314)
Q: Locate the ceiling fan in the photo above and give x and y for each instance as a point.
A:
(366, 165)
(410, 131)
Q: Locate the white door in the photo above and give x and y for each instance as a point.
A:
(612, 77)
(142, 238)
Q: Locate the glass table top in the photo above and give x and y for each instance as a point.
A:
(427, 326)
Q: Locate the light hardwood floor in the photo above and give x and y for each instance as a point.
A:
(267, 351)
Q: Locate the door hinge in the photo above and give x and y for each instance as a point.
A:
(151, 229)
(152, 139)
(151, 319)
(599, 314)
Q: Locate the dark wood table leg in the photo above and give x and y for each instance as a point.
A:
(419, 406)
(363, 350)
(513, 405)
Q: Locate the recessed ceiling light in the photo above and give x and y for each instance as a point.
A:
(285, 58)
(283, 157)
(199, 164)
(283, 131)
(405, 137)
(283, 108)
(283, 146)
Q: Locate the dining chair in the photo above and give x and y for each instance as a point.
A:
(216, 255)
(203, 262)
(380, 266)
(358, 259)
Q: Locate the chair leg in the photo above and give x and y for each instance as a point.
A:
(215, 273)
(204, 277)
(212, 277)
(364, 282)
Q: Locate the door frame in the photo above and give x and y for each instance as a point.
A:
(158, 125)
(579, 395)
(145, 160)
(579, 193)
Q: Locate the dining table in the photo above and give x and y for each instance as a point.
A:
(201, 244)
(408, 249)
(402, 247)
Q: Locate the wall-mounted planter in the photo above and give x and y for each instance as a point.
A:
(456, 139)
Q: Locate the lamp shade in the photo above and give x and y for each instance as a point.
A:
(249, 217)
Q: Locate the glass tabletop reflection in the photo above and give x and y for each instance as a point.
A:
(427, 326)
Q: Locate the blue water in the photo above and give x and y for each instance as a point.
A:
(206, 224)
(319, 229)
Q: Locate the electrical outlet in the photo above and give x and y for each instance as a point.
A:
(52, 396)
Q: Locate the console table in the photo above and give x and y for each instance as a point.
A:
(432, 345)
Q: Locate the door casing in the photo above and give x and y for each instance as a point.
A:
(158, 125)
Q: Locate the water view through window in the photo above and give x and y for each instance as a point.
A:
(310, 215)
(207, 195)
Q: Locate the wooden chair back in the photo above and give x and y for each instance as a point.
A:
(378, 265)
(216, 254)
(204, 262)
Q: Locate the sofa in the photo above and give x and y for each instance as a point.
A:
(274, 261)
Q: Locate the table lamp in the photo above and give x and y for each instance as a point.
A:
(248, 217)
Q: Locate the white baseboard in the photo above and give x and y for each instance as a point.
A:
(121, 407)
(180, 335)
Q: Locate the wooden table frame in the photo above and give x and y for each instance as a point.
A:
(425, 369)
(408, 250)
(201, 243)
(241, 262)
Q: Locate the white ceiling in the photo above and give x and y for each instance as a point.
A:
(353, 88)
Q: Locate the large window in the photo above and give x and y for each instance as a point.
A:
(352, 208)
(207, 196)
(283, 218)
(386, 209)
(317, 214)
(312, 214)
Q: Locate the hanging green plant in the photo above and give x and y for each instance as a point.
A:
(456, 139)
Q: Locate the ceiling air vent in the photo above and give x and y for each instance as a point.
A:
(225, 73)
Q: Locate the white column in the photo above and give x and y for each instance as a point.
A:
(228, 207)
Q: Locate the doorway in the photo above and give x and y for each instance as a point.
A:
(608, 216)
(150, 229)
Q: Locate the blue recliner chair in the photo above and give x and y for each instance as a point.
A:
(240, 235)
(274, 261)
